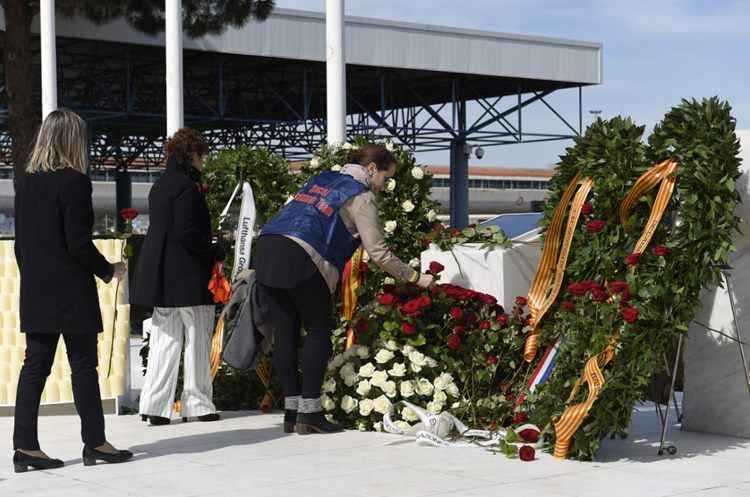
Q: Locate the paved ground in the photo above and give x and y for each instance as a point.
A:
(246, 454)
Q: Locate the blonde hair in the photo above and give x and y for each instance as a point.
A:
(60, 143)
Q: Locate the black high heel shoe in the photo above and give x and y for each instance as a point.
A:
(91, 456)
(22, 462)
(315, 422)
(290, 420)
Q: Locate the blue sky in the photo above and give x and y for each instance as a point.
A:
(655, 53)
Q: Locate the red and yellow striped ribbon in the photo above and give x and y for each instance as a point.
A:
(551, 269)
(351, 281)
(573, 416)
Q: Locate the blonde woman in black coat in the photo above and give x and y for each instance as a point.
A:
(58, 262)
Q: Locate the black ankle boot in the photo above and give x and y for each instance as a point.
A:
(214, 416)
(22, 462)
(158, 421)
(290, 420)
(315, 422)
(91, 456)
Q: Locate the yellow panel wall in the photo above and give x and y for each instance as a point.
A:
(112, 342)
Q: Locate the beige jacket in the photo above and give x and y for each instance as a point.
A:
(361, 218)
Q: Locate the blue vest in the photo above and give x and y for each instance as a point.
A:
(313, 216)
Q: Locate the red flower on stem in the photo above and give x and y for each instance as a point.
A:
(412, 306)
(455, 232)
(458, 329)
(529, 435)
(599, 294)
(519, 418)
(527, 453)
(436, 268)
(362, 326)
(587, 209)
(662, 250)
(425, 301)
(502, 319)
(485, 325)
(633, 259)
(454, 341)
(595, 226)
(129, 213)
(457, 313)
(492, 360)
(578, 289)
(386, 299)
(619, 286)
(364, 268)
(522, 301)
(630, 314)
(408, 328)
(568, 305)
(488, 299)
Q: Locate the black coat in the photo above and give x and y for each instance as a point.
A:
(56, 257)
(175, 263)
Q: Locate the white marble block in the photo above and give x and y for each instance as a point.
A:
(716, 397)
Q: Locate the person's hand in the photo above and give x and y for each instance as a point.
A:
(425, 281)
(120, 269)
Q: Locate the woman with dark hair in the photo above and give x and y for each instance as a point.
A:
(299, 259)
(172, 277)
(58, 262)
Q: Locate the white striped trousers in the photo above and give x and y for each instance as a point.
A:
(170, 325)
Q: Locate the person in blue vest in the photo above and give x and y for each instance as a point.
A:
(299, 259)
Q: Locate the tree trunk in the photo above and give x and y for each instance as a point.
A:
(19, 81)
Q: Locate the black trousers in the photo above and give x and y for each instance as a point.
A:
(308, 305)
(40, 353)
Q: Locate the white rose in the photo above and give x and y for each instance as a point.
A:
(389, 387)
(390, 226)
(416, 368)
(327, 403)
(407, 389)
(414, 262)
(453, 390)
(409, 415)
(418, 358)
(366, 370)
(336, 168)
(408, 349)
(424, 387)
(378, 426)
(347, 371)
(391, 345)
(435, 407)
(363, 388)
(347, 146)
(379, 378)
(398, 370)
(382, 405)
(390, 185)
(417, 172)
(431, 215)
(365, 406)
(407, 206)
(389, 146)
(351, 379)
(431, 363)
(456, 405)
(362, 351)
(348, 404)
(402, 425)
(384, 356)
(336, 362)
(442, 381)
(440, 397)
(389, 281)
(315, 162)
(329, 386)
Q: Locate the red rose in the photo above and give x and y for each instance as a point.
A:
(129, 214)
(587, 209)
(568, 305)
(578, 289)
(457, 313)
(454, 341)
(389, 288)
(630, 314)
(436, 268)
(519, 418)
(411, 307)
(589, 284)
(527, 453)
(595, 226)
(363, 268)
(362, 326)
(662, 250)
(425, 301)
(471, 319)
(522, 301)
(492, 360)
(408, 328)
(459, 329)
(599, 295)
(455, 232)
(625, 296)
(386, 299)
(619, 286)
(488, 299)
(529, 435)
(633, 259)
(502, 319)
(203, 188)
(485, 325)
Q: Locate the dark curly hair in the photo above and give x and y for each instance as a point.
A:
(184, 143)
